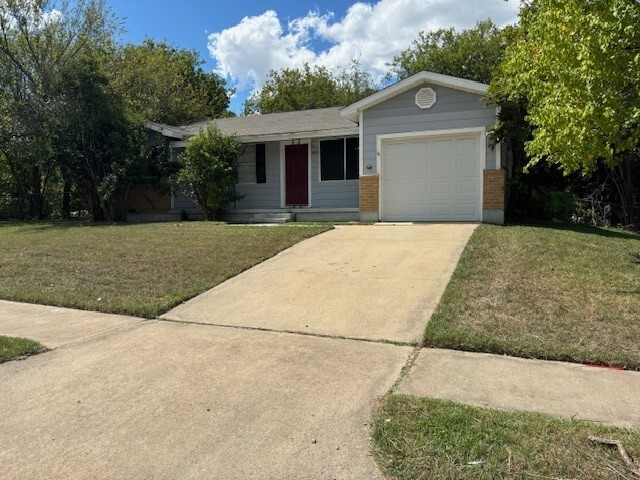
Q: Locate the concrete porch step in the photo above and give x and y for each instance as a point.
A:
(272, 218)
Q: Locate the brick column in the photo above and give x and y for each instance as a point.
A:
(494, 196)
(369, 195)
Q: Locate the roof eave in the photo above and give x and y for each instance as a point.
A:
(338, 132)
(352, 112)
(165, 130)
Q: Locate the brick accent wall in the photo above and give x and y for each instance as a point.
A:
(147, 200)
(369, 186)
(493, 190)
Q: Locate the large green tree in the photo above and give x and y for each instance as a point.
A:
(97, 147)
(38, 39)
(167, 84)
(577, 63)
(473, 54)
(293, 89)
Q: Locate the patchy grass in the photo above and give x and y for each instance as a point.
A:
(12, 348)
(134, 269)
(553, 292)
(421, 438)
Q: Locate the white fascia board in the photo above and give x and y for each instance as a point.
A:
(165, 130)
(351, 112)
(343, 132)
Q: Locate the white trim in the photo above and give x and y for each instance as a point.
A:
(283, 137)
(498, 149)
(283, 180)
(352, 111)
(361, 142)
(430, 134)
(165, 130)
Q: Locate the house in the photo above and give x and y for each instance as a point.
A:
(414, 151)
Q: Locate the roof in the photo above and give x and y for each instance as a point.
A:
(271, 126)
(352, 112)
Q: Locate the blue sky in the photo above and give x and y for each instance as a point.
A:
(243, 39)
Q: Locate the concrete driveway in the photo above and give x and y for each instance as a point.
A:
(377, 282)
(229, 394)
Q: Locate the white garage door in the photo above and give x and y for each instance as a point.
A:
(432, 179)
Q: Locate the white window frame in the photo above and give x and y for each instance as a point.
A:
(250, 152)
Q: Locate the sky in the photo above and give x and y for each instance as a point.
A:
(242, 40)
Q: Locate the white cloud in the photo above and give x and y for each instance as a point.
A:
(373, 33)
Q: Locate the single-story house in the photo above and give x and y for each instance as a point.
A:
(414, 151)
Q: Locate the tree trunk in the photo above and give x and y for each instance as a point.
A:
(66, 200)
(35, 202)
(623, 180)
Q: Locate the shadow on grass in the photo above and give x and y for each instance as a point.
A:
(580, 228)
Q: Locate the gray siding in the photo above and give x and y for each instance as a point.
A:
(334, 193)
(263, 195)
(453, 109)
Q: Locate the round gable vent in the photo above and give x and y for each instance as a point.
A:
(425, 98)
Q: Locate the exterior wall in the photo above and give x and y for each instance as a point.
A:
(453, 109)
(263, 195)
(145, 200)
(369, 197)
(333, 193)
(328, 194)
(494, 196)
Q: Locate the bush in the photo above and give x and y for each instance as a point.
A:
(209, 170)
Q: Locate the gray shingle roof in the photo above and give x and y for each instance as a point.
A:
(288, 123)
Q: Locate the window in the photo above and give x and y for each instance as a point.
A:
(252, 164)
(339, 159)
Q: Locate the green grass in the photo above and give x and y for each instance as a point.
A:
(554, 292)
(420, 438)
(11, 348)
(134, 269)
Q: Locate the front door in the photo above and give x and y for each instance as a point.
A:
(296, 159)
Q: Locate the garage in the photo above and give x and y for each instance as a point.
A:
(431, 178)
(426, 153)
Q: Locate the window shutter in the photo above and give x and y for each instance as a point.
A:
(261, 163)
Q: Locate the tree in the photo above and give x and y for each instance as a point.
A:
(97, 147)
(209, 170)
(293, 89)
(472, 54)
(38, 39)
(166, 84)
(578, 65)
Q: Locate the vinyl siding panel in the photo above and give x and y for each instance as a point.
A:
(333, 193)
(263, 195)
(453, 109)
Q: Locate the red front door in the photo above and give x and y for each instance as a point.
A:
(296, 159)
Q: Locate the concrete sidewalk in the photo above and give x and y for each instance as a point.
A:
(124, 398)
(56, 326)
(556, 388)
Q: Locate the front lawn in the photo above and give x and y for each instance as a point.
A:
(134, 269)
(13, 347)
(421, 438)
(552, 292)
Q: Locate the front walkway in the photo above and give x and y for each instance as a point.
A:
(561, 389)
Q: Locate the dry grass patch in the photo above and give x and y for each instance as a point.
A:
(553, 292)
(421, 438)
(134, 269)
